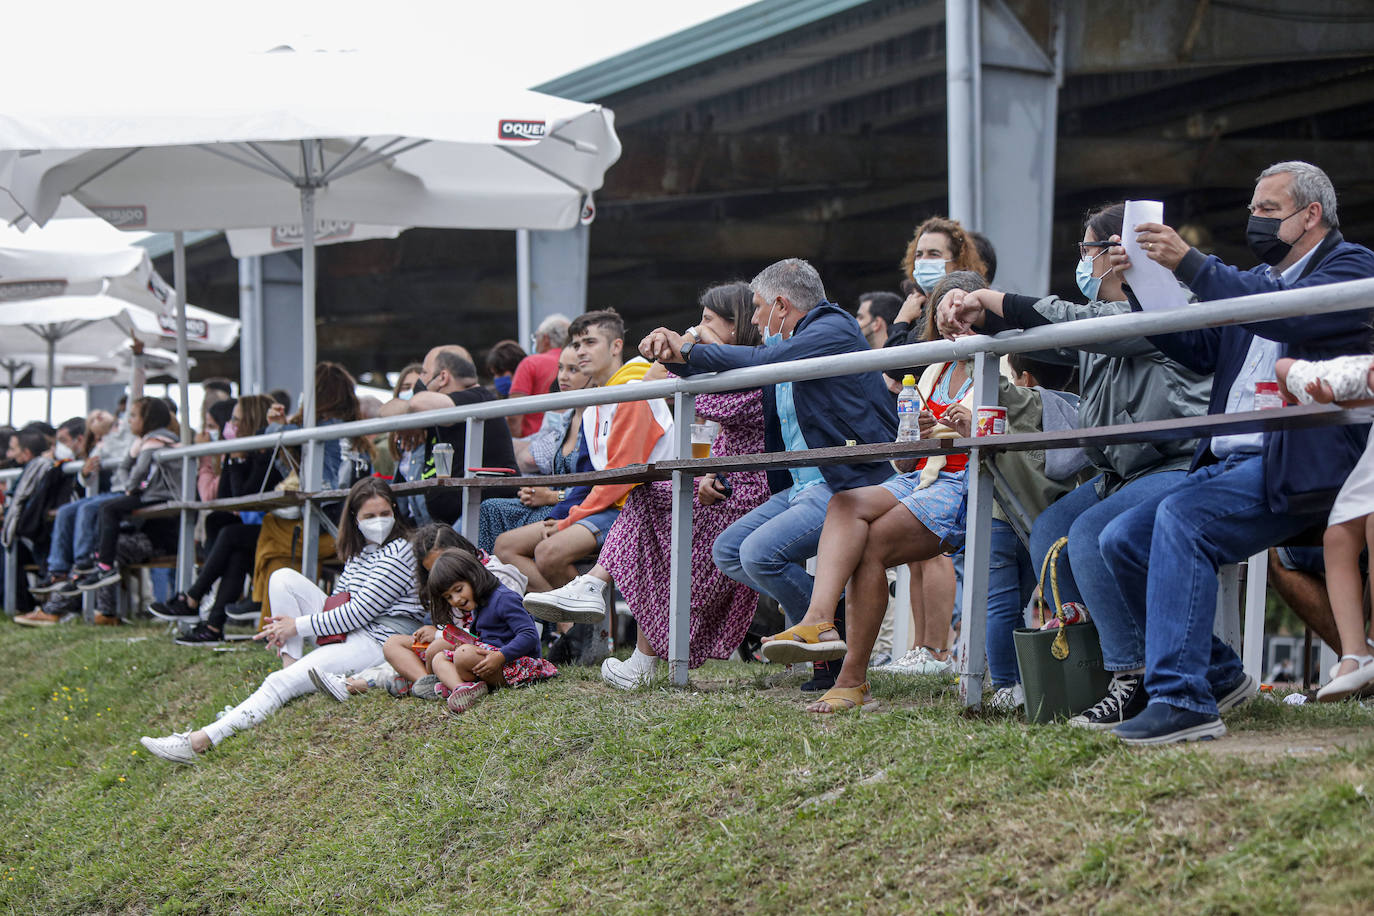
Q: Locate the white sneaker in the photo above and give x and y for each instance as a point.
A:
(623, 675)
(919, 661)
(333, 685)
(175, 747)
(1341, 687)
(1008, 699)
(583, 600)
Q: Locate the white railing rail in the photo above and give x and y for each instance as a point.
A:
(982, 350)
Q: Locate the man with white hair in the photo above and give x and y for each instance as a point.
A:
(537, 372)
(768, 548)
(1248, 491)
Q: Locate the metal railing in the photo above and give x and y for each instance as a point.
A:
(982, 350)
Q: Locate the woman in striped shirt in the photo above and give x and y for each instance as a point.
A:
(374, 598)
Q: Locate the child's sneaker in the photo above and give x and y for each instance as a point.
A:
(465, 696)
(398, 686)
(583, 600)
(426, 688)
(333, 685)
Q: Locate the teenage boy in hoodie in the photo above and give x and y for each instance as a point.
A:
(613, 436)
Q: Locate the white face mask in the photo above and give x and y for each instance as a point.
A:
(376, 529)
(62, 452)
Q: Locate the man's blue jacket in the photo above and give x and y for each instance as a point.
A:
(1303, 468)
(829, 410)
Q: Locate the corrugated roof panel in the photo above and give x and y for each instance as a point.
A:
(719, 36)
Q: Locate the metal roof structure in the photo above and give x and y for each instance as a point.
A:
(816, 128)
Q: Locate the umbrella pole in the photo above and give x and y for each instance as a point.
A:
(52, 371)
(186, 547)
(312, 454)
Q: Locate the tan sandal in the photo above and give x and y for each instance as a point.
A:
(843, 699)
(803, 643)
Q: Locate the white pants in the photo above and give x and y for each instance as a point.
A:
(292, 595)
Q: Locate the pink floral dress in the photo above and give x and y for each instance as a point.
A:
(636, 552)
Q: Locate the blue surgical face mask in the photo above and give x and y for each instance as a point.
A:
(927, 273)
(405, 395)
(1087, 283)
(774, 338)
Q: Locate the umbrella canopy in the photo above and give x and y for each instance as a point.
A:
(91, 329)
(287, 138)
(224, 151)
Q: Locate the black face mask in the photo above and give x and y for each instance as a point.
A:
(419, 386)
(1262, 235)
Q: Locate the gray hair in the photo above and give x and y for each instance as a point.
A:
(967, 280)
(555, 328)
(1309, 184)
(793, 279)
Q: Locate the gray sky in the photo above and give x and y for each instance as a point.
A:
(521, 42)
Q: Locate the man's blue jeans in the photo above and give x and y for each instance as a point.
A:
(75, 531)
(767, 549)
(1083, 573)
(1010, 582)
(1165, 553)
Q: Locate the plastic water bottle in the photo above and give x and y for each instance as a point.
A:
(908, 410)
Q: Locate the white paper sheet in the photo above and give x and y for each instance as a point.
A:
(1153, 283)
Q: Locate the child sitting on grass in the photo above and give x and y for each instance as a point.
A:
(407, 670)
(488, 639)
(1350, 526)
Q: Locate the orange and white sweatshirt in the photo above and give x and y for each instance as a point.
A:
(619, 435)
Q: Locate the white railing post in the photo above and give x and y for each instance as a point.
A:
(472, 458)
(680, 549)
(186, 527)
(977, 549)
(12, 578)
(311, 477)
(1256, 597)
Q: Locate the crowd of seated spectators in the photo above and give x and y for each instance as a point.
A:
(417, 611)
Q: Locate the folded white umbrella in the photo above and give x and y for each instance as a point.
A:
(287, 138)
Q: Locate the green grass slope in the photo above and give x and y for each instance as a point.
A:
(569, 796)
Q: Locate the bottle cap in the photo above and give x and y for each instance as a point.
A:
(908, 381)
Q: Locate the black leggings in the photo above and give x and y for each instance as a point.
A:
(112, 513)
(230, 559)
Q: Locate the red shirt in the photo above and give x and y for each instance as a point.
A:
(535, 375)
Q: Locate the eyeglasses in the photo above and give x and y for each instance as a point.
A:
(1086, 249)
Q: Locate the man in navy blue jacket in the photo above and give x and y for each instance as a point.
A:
(1244, 492)
(768, 548)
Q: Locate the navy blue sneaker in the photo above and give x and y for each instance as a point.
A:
(1233, 694)
(1161, 723)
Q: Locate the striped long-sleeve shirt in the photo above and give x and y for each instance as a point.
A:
(380, 582)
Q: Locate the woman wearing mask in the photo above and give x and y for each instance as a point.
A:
(1122, 381)
(374, 598)
(231, 552)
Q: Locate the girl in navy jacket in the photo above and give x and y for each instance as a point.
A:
(494, 639)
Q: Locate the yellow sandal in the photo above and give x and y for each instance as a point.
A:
(860, 698)
(803, 643)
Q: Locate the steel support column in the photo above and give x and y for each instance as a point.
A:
(680, 549)
(977, 550)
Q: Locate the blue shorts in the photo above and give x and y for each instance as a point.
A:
(1303, 559)
(600, 523)
(941, 507)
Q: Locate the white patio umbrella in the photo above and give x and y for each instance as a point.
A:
(90, 329)
(287, 138)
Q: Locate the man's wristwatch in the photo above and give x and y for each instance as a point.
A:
(686, 349)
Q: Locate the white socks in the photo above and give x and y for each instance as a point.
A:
(641, 663)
